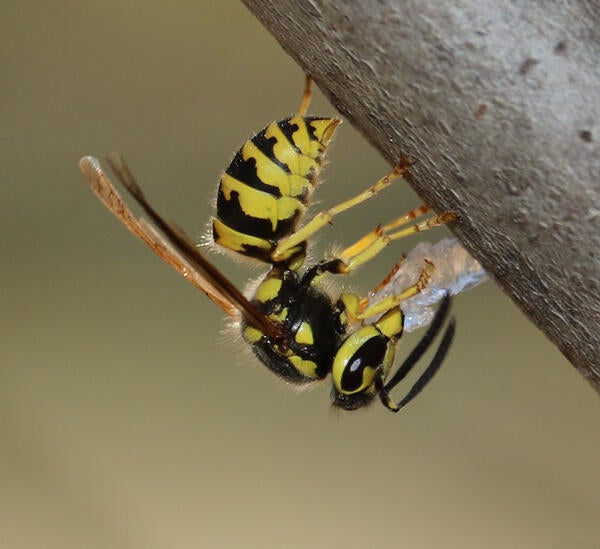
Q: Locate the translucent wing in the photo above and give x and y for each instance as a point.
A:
(171, 244)
(455, 271)
(108, 195)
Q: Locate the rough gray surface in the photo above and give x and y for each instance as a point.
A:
(499, 103)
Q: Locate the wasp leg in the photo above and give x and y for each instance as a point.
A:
(325, 217)
(306, 97)
(374, 242)
(423, 345)
(389, 276)
(360, 309)
(376, 234)
(434, 221)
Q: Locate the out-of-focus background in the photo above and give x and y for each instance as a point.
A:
(127, 420)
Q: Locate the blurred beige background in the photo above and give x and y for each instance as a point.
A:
(127, 420)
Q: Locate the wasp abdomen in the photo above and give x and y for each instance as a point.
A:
(267, 187)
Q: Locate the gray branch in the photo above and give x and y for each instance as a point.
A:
(499, 104)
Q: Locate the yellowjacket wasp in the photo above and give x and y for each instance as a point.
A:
(291, 324)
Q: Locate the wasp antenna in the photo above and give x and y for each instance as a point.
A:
(422, 346)
(431, 370)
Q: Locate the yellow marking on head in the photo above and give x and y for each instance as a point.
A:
(304, 335)
(391, 323)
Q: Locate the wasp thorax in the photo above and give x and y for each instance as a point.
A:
(309, 318)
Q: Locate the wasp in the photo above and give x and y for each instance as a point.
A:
(291, 323)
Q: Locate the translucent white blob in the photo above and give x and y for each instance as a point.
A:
(454, 271)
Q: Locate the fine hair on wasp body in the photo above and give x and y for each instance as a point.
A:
(292, 325)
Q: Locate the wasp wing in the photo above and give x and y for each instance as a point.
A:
(158, 243)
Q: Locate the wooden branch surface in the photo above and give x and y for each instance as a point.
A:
(499, 104)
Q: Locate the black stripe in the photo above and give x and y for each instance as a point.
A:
(310, 128)
(245, 172)
(250, 251)
(230, 212)
(265, 145)
(288, 129)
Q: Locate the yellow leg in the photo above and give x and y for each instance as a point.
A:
(434, 221)
(360, 309)
(388, 303)
(306, 97)
(390, 275)
(324, 218)
(406, 218)
(372, 243)
(378, 232)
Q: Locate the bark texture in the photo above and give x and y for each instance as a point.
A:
(498, 101)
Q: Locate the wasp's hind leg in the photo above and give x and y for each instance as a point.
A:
(306, 97)
(325, 217)
(379, 238)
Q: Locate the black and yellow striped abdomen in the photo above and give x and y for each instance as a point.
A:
(267, 187)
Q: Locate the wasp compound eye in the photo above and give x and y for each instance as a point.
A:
(361, 368)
